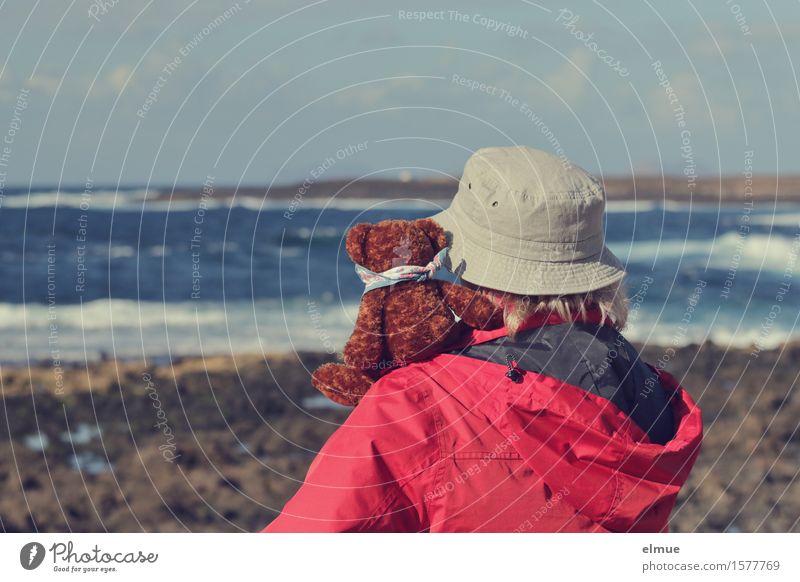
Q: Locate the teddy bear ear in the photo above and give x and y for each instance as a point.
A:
(434, 232)
(356, 237)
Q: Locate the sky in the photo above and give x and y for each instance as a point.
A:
(186, 92)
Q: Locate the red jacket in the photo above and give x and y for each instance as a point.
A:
(452, 445)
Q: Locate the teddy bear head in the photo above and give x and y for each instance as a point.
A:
(391, 243)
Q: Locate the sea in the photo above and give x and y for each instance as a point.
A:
(125, 273)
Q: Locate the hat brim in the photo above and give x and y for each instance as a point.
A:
(481, 265)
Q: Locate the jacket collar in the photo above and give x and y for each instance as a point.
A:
(479, 336)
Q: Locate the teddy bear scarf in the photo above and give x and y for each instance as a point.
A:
(395, 275)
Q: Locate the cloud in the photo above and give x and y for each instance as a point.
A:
(374, 95)
(118, 76)
(46, 83)
(708, 47)
(567, 81)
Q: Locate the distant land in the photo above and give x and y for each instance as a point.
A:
(724, 189)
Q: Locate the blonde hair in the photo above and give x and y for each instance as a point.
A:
(612, 301)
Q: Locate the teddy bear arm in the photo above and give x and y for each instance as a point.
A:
(341, 384)
(473, 308)
(365, 347)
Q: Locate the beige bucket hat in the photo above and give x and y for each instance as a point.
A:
(525, 221)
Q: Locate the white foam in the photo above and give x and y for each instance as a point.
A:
(94, 200)
(777, 219)
(122, 327)
(306, 233)
(630, 206)
(727, 331)
(753, 252)
(150, 201)
(121, 251)
(131, 330)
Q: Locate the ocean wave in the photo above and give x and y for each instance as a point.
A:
(322, 234)
(777, 219)
(754, 252)
(134, 330)
(93, 200)
(735, 331)
(631, 206)
(145, 200)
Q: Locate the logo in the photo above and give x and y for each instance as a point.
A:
(31, 555)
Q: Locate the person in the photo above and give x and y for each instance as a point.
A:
(552, 423)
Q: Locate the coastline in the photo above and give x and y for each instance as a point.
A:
(218, 444)
(728, 189)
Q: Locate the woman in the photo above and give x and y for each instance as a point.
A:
(552, 423)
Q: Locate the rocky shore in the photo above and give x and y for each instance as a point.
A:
(220, 444)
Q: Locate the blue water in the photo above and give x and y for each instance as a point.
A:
(259, 280)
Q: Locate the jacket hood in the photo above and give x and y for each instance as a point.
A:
(582, 445)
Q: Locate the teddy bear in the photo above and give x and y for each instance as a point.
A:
(404, 315)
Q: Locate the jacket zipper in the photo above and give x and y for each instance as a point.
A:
(514, 373)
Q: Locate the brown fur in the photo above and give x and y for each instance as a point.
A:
(406, 322)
